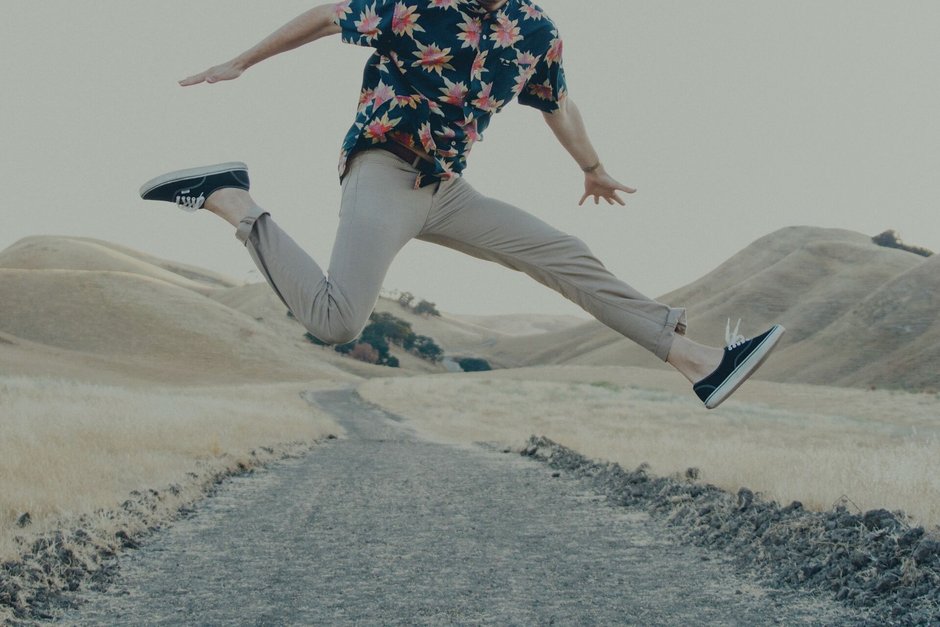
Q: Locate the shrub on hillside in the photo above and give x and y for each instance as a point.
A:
(405, 299)
(364, 352)
(473, 364)
(396, 330)
(891, 239)
(347, 348)
(385, 329)
(313, 339)
(426, 308)
(427, 348)
(423, 308)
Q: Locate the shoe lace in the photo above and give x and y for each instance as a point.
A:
(190, 203)
(733, 338)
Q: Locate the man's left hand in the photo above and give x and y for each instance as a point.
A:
(599, 184)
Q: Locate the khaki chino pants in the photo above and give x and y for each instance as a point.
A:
(381, 211)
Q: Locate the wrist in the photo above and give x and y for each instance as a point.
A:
(592, 167)
(242, 62)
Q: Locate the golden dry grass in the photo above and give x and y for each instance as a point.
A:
(70, 449)
(856, 314)
(791, 442)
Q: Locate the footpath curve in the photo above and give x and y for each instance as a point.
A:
(382, 527)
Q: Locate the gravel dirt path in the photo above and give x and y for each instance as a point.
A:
(382, 527)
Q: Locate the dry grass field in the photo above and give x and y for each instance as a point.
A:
(128, 384)
(74, 449)
(792, 442)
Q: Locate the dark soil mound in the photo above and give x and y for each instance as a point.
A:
(874, 560)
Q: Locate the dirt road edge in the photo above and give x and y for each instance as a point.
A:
(874, 561)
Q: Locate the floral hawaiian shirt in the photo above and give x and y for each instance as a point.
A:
(442, 68)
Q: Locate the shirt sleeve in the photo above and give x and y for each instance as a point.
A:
(546, 88)
(364, 22)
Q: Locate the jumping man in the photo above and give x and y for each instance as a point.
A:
(440, 70)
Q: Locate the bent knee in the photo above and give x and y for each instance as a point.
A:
(334, 334)
(576, 246)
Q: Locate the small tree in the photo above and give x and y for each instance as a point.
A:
(364, 352)
(473, 364)
(388, 326)
(405, 299)
(372, 336)
(426, 308)
(314, 339)
(427, 348)
(891, 239)
(372, 345)
(345, 349)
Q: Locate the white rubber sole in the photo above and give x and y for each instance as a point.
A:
(746, 368)
(179, 175)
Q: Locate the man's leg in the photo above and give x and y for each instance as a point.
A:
(380, 213)
(466, 220)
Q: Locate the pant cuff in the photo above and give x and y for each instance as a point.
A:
(247, 224)
(675, 324)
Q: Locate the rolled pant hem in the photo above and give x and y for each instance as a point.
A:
(247, 224)
(675, 324)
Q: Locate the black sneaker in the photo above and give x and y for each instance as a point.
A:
(741, 359)
(190, 188)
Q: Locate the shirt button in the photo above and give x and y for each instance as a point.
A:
(485, 37)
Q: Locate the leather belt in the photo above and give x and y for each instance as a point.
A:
(417, 161)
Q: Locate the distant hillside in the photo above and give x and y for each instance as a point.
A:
(82, 253)
(82, 308)
(91, 310)
(809, 279)
(857, 314)
(889, 338)
(522, 324)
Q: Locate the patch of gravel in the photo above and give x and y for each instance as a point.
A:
(50, 566)
(874, 561)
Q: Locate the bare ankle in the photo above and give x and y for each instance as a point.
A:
(230, 204)
(695, 361)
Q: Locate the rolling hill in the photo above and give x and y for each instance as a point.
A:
(856, 313)
(93, 310)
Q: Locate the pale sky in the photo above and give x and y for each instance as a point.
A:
(733, 118)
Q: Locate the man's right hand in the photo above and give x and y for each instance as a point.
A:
(224, 72)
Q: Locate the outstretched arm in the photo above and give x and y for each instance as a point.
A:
(303, 29)
(568, 125)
